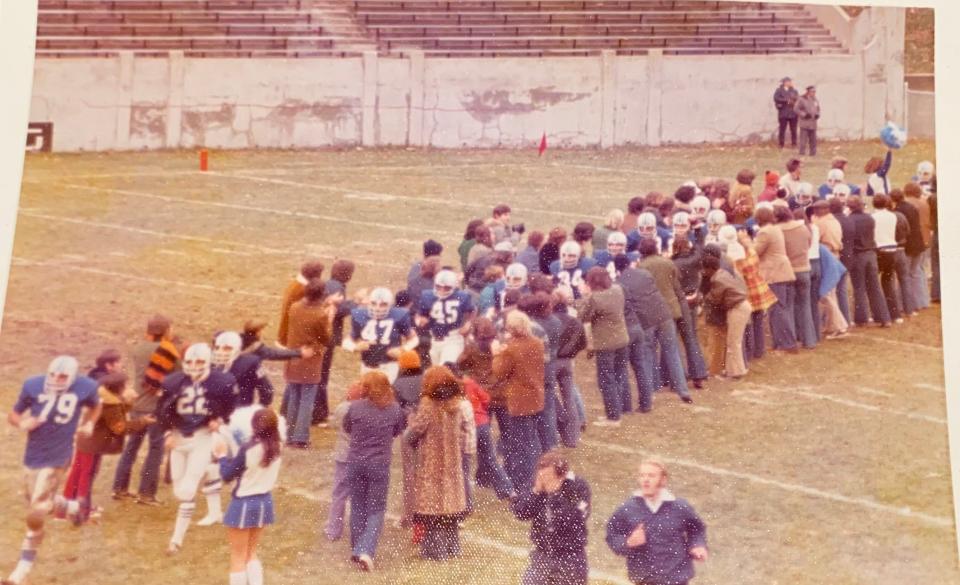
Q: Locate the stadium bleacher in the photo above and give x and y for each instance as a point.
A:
(438, 28)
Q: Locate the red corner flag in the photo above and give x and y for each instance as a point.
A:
(543, 144)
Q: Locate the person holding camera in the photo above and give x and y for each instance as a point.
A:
(808, 110)
(500, 227)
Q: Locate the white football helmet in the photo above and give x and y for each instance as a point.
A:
(226, 348)
(61, 374)
(681, 224)
(834, 177)
(616, 243)
(841, 192)
(925, 171)
(516, 276)
(715, 220)
(196, 361)
(569, 255)
(700, 206)
(380, 303)
(444, 283)
(647, 225)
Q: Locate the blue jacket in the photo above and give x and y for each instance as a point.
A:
(831, 271)
(665, 558)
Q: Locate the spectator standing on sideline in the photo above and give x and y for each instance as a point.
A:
(934, 243)
(918, 272)
(551, 250)
(658, 533)
(864, 273)
(341, 487)
(153, 359)
(785, 98)
(500, 228)
(431, 249)
(310, 325)
(796, 240)
(341, 273)
(808, 110)
(310, 270)
(728, 294)
(530, 256)
(558, 506)
(469, 239)
(776, 270)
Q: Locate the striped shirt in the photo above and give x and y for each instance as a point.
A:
(163, 360)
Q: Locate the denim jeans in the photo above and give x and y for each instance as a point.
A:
(866, 285)
(568, 417)
(338, 501)
(664, 335)
(815, 273)
(489, 471)
(687, 327)
(547, 425)
(802, 319)
(782, 323)
(612, 380)
(369, 485)
(640, 362)
(754, 342)
(521, 450)
(299, 399)
(843, 296)
(918, 278)
(557, 569)
(894, 280)
(150, 473)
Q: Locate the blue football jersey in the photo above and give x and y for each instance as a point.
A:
(604, 259)
(572, 277)
(445, 315)
(188, 407)
(51, 444)
(381, 334)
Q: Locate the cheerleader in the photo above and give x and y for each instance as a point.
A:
(255, 468)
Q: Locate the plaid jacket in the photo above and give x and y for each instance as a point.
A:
(758, 291)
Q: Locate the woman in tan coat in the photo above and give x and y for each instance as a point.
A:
(439, 430)
(775, 268)
(310, 325)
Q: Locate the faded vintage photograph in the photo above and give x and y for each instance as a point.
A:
(539, 292)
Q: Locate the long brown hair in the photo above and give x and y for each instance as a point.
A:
(266, 433)
(377, 389)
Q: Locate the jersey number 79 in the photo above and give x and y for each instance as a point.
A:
(66, 405)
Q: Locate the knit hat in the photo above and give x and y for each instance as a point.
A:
(409, 360)
(158, 325)
(727, 236)
(432, 248)
(771, 178)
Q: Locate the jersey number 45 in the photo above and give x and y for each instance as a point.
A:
(445, 313)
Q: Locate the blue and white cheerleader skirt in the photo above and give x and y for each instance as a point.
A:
(250, 512)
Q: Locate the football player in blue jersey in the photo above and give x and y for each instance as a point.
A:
(648, 229)
(446, 311)
(193, 405)
(381, 332)
(492, 298)
(251, 382)
(571, 268)
(49, 410)
(616, 245)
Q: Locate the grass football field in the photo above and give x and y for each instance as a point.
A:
(829, 466)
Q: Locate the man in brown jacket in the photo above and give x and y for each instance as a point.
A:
(294, 292)
(310, 325)
(918, 273)
(518, 369)
(808, 112)
(775, 268)
(729, 295)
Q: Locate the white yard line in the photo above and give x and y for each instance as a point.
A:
(930, 387)
(851, 403)
(146, 279)
(466, 534)
(201, 239)
(900, 343)
(378, 196)
(255, 208)
(873, 391)
(938, 521)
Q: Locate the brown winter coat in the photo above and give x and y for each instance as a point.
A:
(926, 223)
(108, 432)
(742, 203)
(293, 293)
(774, 264)
(796, 242)
(440, 430)
(519, 372)
(310, 325)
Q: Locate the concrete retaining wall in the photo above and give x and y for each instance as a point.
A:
(135, 103)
